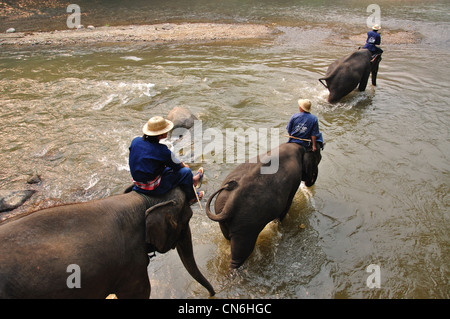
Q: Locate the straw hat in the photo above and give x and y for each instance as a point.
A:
(376, 27)
(305, 105)
(157, 125)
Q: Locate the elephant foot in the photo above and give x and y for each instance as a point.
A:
(235, 265)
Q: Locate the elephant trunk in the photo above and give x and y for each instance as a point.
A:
(186, 253)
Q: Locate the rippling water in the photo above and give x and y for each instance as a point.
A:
(382, 192)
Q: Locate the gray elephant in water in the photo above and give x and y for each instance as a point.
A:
(106, 241)
(249, 199)
(349, 72)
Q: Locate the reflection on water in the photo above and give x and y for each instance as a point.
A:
(382, 192)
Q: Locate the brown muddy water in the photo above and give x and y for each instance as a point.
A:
(381, 197)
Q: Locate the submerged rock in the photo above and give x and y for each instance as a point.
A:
(180, 140)
(35, 178)
(10, 200)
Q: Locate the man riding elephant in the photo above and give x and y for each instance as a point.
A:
(154, 168)
(373, 41)
(352, 71)
(244, 204)
(303, 127)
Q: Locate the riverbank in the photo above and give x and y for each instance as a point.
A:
(156, 33)
(391, 37)
(172, 33)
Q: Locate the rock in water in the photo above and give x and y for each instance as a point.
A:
(10, 200)
(11, 30)
(181, 117)
(181, 138)
(34, 179)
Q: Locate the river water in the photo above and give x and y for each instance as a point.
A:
(381, 197)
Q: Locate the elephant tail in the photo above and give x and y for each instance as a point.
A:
(324, 79)
(231, 185)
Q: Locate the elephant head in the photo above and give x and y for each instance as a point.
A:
(107, 241)
(167, 227)
(310, 167)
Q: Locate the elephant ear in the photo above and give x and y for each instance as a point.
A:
(310, 168)
(161, 226)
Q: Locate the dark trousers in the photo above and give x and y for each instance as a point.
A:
(171, 179)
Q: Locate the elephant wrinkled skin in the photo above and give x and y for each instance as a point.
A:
(107, 239)
(347, 73)
(248, 200)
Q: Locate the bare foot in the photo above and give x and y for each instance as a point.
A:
(200, 196)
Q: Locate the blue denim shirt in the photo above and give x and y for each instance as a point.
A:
(148, 160)
(373, 38)
(303, 125)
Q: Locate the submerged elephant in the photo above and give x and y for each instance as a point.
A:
(248, 200)
(107, 241)
(345, 74)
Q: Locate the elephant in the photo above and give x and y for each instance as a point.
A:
(105, 242)
(346, 73)
(248, 200)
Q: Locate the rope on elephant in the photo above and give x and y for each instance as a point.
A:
(146, 198)
(148, 211)
(375, 57)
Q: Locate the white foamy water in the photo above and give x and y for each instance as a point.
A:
(131, 58)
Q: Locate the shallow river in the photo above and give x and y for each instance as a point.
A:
(381, 197)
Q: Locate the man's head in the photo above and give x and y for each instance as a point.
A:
(304, 105)
(157, 126)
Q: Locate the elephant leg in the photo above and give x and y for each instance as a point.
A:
(225, 230)
(289, 203)
(137, 287)
(339, 92)
(241, 248)
(135, 284)
(334, 97)
(374, 78)
(364, 80)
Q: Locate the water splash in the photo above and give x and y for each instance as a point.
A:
(121, 93)
(132, 58)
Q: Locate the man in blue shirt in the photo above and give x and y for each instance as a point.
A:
(154, 168)
(373, 39)
(303, 127)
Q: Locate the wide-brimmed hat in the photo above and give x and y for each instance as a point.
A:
(305, 105)
(376, 27)
(157, 125)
